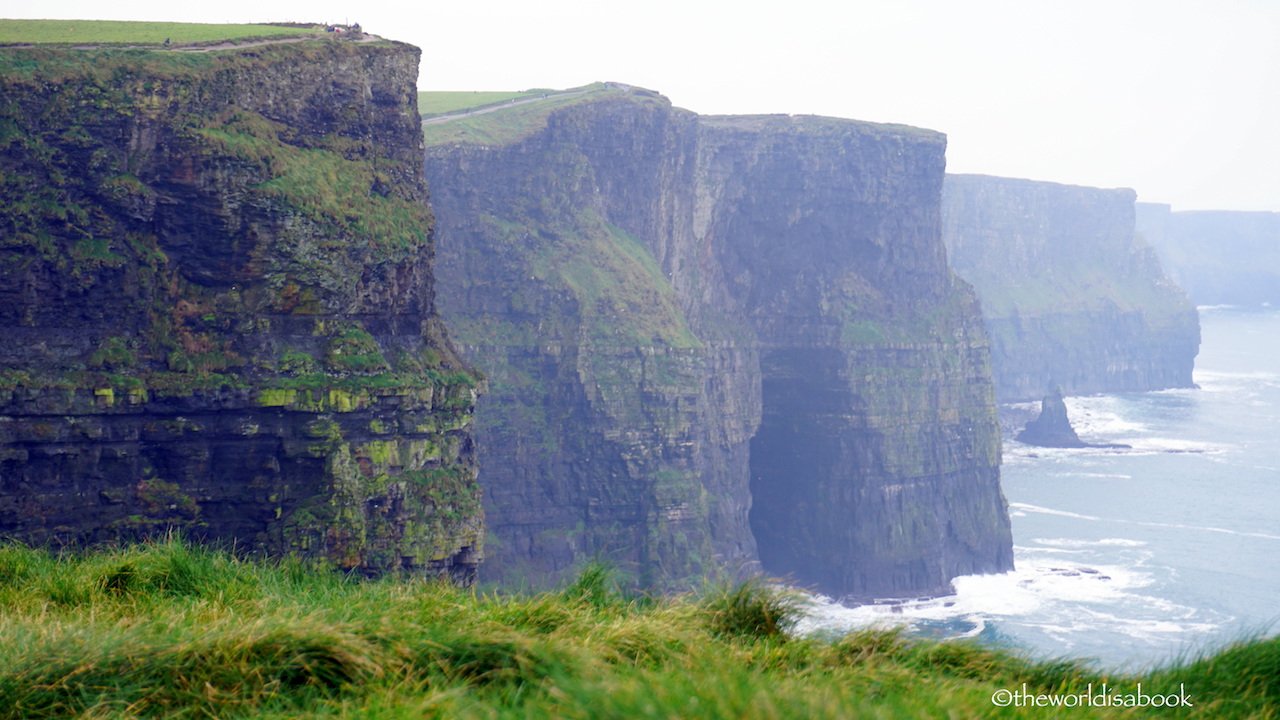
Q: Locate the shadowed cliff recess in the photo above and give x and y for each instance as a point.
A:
(717, 340)
(217, 303)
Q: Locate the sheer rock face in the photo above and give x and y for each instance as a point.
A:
(1071, 296)
(1219, 257)
(218, 303)
(718, 339)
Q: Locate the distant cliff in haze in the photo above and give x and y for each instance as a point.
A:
(1219, 257)
(1070, 295)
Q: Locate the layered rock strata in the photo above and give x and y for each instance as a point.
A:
(713, 340)
(1071, 297)
(217, 302)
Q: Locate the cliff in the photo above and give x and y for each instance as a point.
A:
(1219, 257)
(716, 340)
(1071, 297)
(218, 307)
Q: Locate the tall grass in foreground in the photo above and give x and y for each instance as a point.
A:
(175, 631)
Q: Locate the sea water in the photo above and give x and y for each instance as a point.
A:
(1134, 557)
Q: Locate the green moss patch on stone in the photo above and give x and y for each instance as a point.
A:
(354, 350)
(323, 184)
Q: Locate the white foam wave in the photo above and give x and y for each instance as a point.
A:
(1245, 383)
(1042, 549)
(1097, 416)
(1155, 445)
(1025, 507)
(1109, 419)
(1234, 462)
(1202, 528)
(1077, 543)
(1066, 600)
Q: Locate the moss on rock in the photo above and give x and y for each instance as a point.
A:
(219, 266)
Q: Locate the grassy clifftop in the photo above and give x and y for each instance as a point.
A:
(112, 32)
(171, 631)
(504, 118)
(444, 102)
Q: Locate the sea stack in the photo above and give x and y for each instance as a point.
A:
(1052, 428)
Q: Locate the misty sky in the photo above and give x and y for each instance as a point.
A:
(1178, 99)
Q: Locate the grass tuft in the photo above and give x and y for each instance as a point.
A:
(753, 608)
(596, 585)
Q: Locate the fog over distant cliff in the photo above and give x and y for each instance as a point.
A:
(1219, 257)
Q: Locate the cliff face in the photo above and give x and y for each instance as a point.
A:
(1219, 257)
(218, 304)
(717, 339)
(1070, 296)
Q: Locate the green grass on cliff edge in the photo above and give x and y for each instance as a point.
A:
(173, 631)
(443, 102)
(111, 32)
(505, 125)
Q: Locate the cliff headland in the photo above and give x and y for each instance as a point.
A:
(218, 308)
(713, 340)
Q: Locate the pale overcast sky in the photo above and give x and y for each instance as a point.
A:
(1178, 99)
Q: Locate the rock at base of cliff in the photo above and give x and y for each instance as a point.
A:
(1053, 427)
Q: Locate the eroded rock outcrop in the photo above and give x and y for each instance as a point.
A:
(1070, 296)
(1052, 427)
(712, 339)
(217, 303)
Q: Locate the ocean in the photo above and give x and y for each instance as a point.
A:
(1130, 558)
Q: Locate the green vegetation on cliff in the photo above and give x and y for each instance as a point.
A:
(74, 192)
(240, 236)
(170, 631)
(510, 124)
(443, 102)
(1035, 248)
(113, 32)
(1078, 285)
(323, 181)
